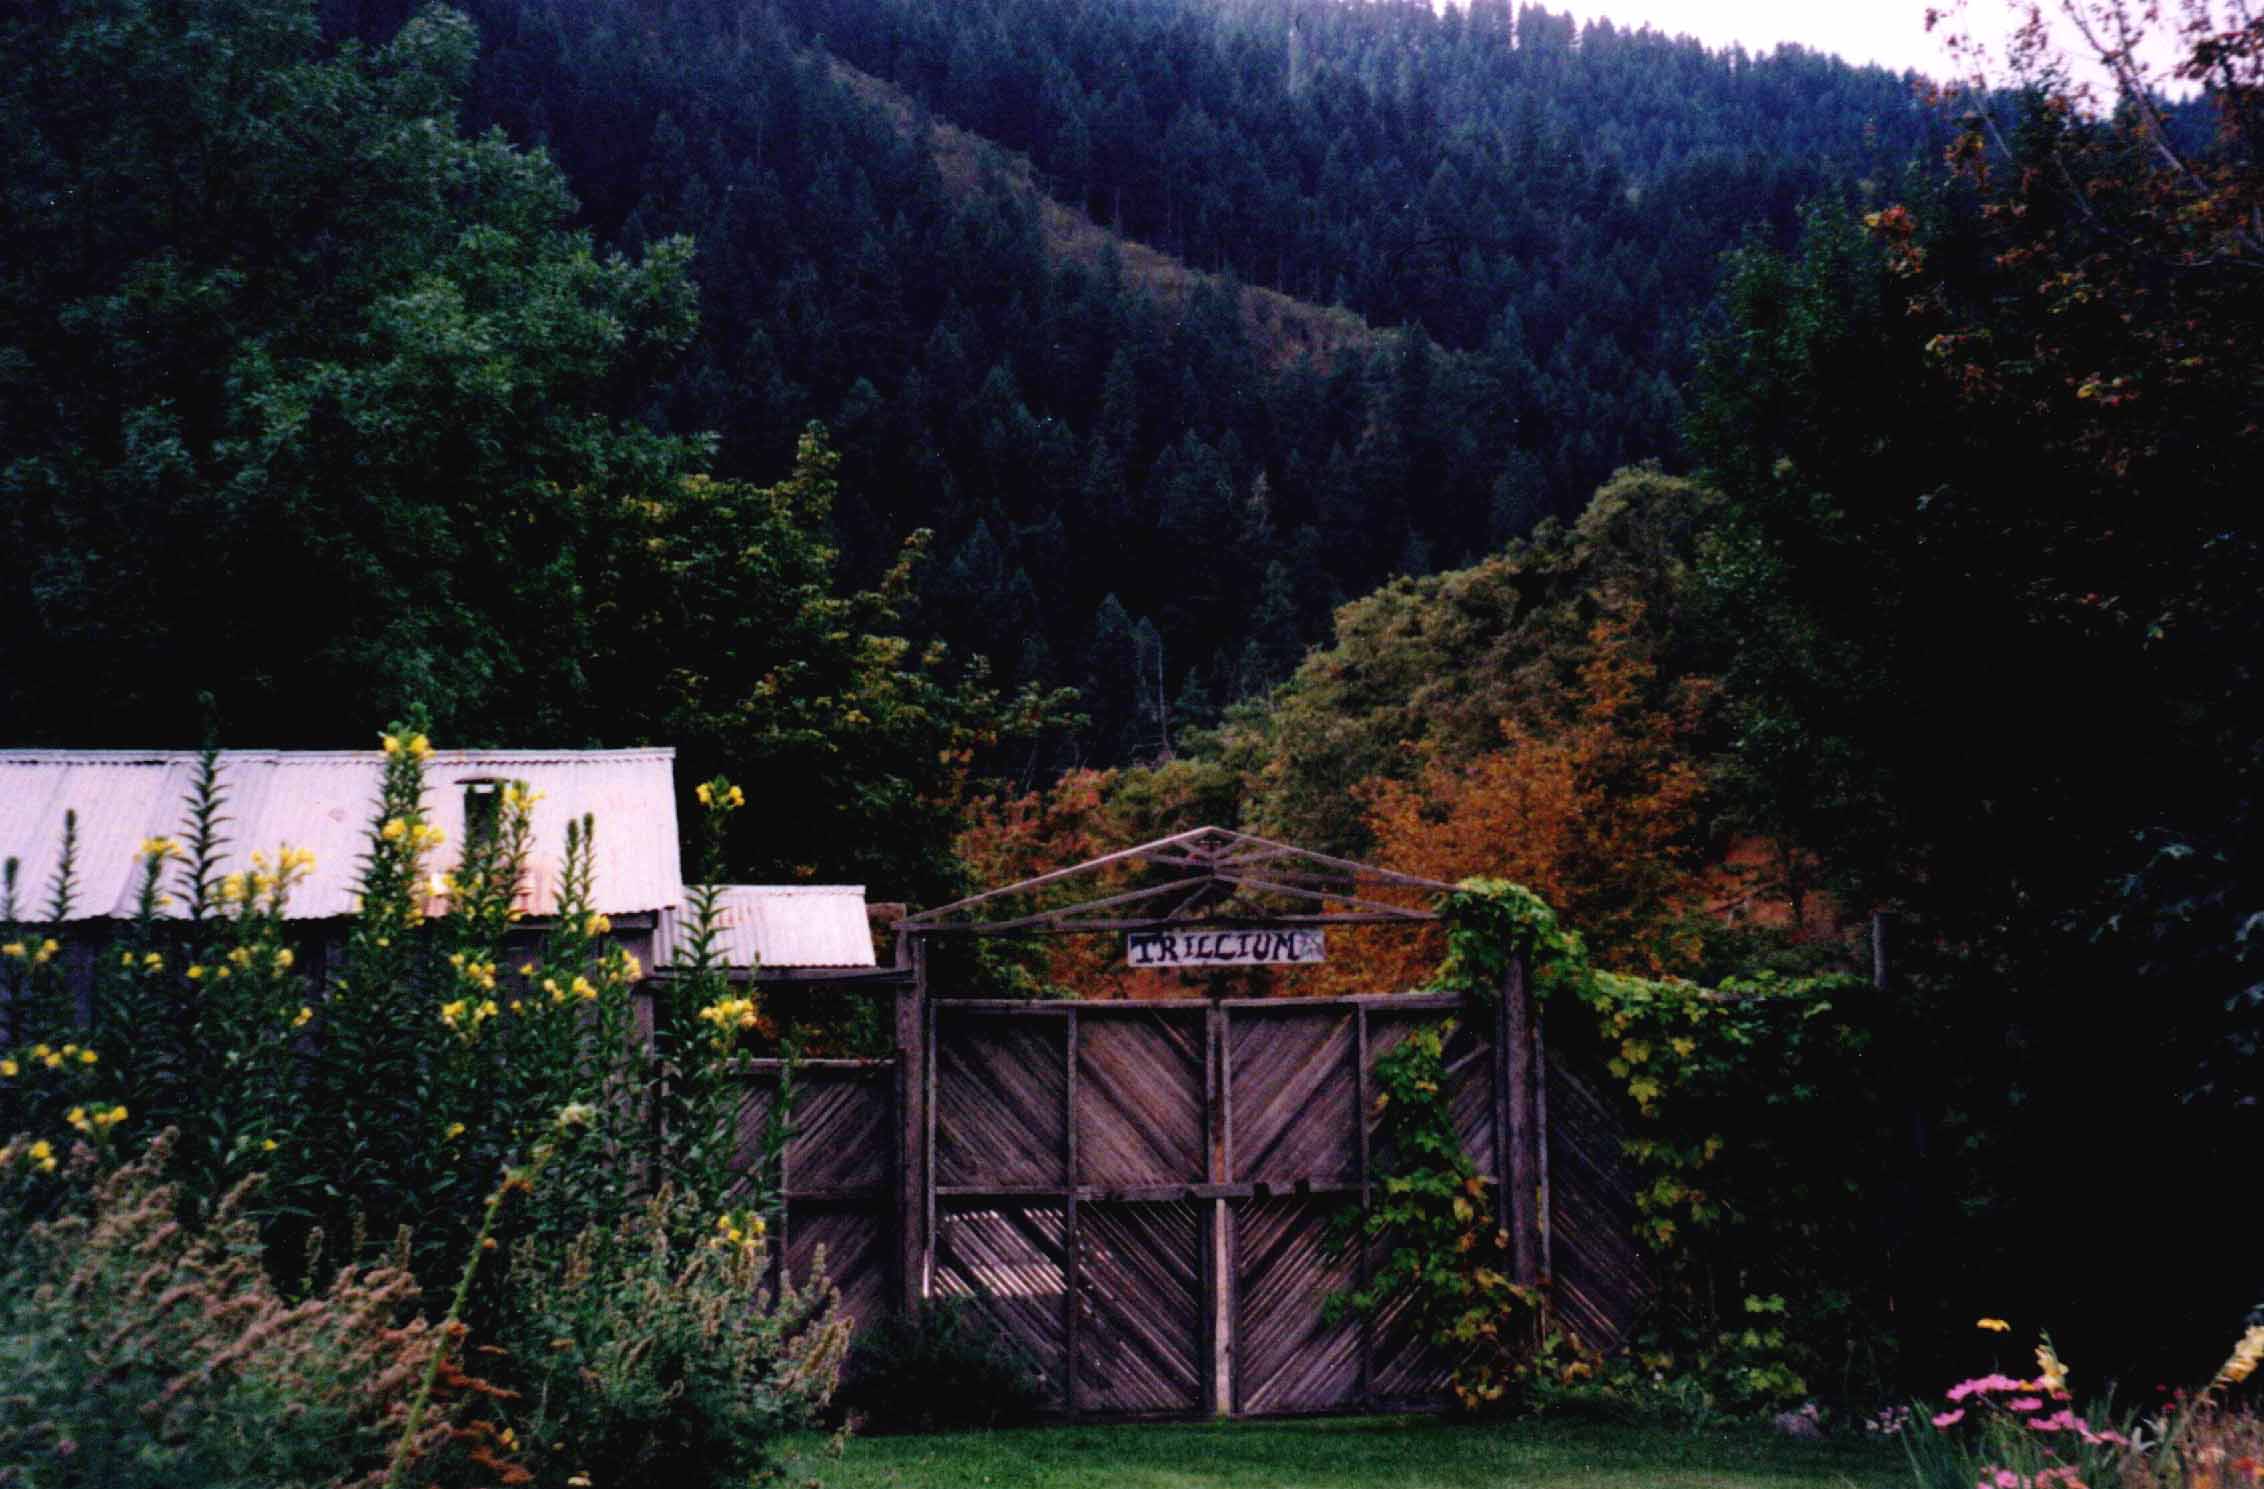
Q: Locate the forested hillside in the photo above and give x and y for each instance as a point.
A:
(1137, 487)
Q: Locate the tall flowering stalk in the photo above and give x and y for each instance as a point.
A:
(1998, 1431)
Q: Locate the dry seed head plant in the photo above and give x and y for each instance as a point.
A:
(148, 1352)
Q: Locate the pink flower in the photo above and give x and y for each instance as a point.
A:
(1983, 1384)
(2023, 1403)
(2007, 1479)
(1949, 1418)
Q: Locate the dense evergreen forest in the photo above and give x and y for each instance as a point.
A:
(1134, 488)
(1729, 494)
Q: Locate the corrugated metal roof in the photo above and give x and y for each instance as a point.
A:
(322, 801)
(782, 925)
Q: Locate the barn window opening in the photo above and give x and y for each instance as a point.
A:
(483, 811)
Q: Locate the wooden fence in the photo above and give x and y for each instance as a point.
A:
(1153, 1199)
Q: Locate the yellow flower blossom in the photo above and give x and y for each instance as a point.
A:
(737, 798)
(1993, 1325)
(8, 1069)
(88, 1057)
(394, 830)
(303, 1017)
(195, 972)
(267, 1145)
(152, 962)
(455, 1131)
(15, 949)
(420, 747)
(596, 924)
(284, 958)
(631, 968)
(160, 849)
(76, 1118)
(110, 1118)
(584, 990)
(241, 956)
(703, 793)
(392, 744)
(47, 950)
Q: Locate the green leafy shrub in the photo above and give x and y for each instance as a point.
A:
(1757, 1197)
(644, 1356)
(136, 1351)
(940, 1368)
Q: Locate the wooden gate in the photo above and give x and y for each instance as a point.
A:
(1155, 1199)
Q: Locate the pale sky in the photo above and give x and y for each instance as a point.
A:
(1890, 33)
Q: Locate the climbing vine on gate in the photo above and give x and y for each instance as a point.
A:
(1433, 1212)
(1751, 1115)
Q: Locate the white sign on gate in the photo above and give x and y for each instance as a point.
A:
(1222, 948)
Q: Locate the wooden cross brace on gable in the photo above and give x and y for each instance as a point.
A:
(1208, 876)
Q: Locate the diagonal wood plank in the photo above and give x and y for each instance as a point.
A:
(855, 1242)
(1007, 1261)
(1140, 1099)
(1287, 1357)
(1140, 1298)
(1000, 1084)
(842, 1137)
(1293, 1097)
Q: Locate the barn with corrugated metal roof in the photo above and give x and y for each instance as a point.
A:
(323, 801)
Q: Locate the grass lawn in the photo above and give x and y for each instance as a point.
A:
(1354, 1453)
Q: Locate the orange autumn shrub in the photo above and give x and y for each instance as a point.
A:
(1596, 813)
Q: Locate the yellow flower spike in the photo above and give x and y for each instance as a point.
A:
(1993, 1325)
(2051, 1374)
(2246, 1356)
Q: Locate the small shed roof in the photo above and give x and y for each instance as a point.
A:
(323, 801)
(780, 925)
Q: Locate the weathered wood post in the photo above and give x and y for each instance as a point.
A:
(1518, 1124)
(911, 1122)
